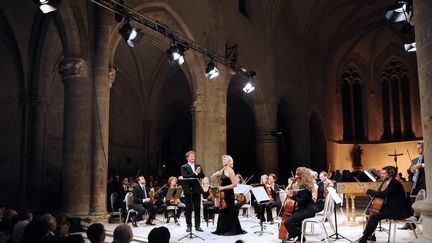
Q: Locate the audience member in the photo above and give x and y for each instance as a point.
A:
(51, 223)
(96, 233)
(122, 234)
(159, 235)
(24, 218)
(36, 231)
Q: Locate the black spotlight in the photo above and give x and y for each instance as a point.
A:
(47, 6)
(176, 53)
(399, 12)
(130, 34)
(211, 70)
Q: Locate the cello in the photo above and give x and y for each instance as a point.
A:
(288, 208)
(376, 203)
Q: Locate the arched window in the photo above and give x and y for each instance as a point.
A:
(396, 103)
(352, 104)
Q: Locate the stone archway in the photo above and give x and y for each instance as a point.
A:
(318, 145)
(241, 133)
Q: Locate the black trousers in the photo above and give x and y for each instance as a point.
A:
(193, 202)
(373, 222)
(294, 222)
(267, 207)
(142, 207)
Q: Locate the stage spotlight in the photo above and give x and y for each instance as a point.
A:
(249, 87)
(176, 53)
(401, 11)
(410, 47)
(130, 34)
(211, 70)
(46, 6)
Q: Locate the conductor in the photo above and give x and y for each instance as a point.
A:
(193, 200)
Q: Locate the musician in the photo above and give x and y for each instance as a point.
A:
(417, 171)
(142, 202)
(417, 175)
(303, 209)
(121, 196)
(192, 170)
(206, 198)
(172, 183)
(240, 199)
(395, 205)
(228, 222)
(322, 192)
(265, 207)
(276, 188)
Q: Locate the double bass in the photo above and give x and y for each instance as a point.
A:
(288, 208)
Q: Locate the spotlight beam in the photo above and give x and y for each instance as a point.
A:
(123, 10)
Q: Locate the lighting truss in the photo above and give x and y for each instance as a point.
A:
(121, 9)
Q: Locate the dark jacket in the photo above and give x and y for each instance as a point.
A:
(186, 172)
(396, 201)
(138, 194)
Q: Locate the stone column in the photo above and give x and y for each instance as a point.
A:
(266, 151)
(423, 33)
(210, 121)
(77, 137)
(37, 166)
(104, 77)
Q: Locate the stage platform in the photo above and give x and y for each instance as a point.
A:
(251, 225)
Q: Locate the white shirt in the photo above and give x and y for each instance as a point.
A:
(192, 165)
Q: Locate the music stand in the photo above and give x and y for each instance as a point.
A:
(261, 198)
(190, 186)
(337, 200)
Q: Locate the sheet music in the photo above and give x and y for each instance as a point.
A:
(242, 189)
(370, 175)
(260, 194)
(334, 195)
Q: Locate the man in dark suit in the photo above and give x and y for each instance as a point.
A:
(142, 202)
(193, 200)
(396, 204)
(122, 190)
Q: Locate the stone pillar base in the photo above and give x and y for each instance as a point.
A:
(88, 219)
(425, 208)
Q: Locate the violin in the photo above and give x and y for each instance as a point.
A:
(152, 194)
(222, 202)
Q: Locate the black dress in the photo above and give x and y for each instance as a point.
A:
(228, 222)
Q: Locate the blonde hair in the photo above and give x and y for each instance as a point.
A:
(228, 158)
(170, 179)
(263, 177)
(306, 179)
(122, 234)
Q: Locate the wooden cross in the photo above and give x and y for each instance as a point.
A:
(395, 155)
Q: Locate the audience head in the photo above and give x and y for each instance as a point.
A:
(159, 235)
(96, 233)
(122, 234)
(36, 231)
(50, 221)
